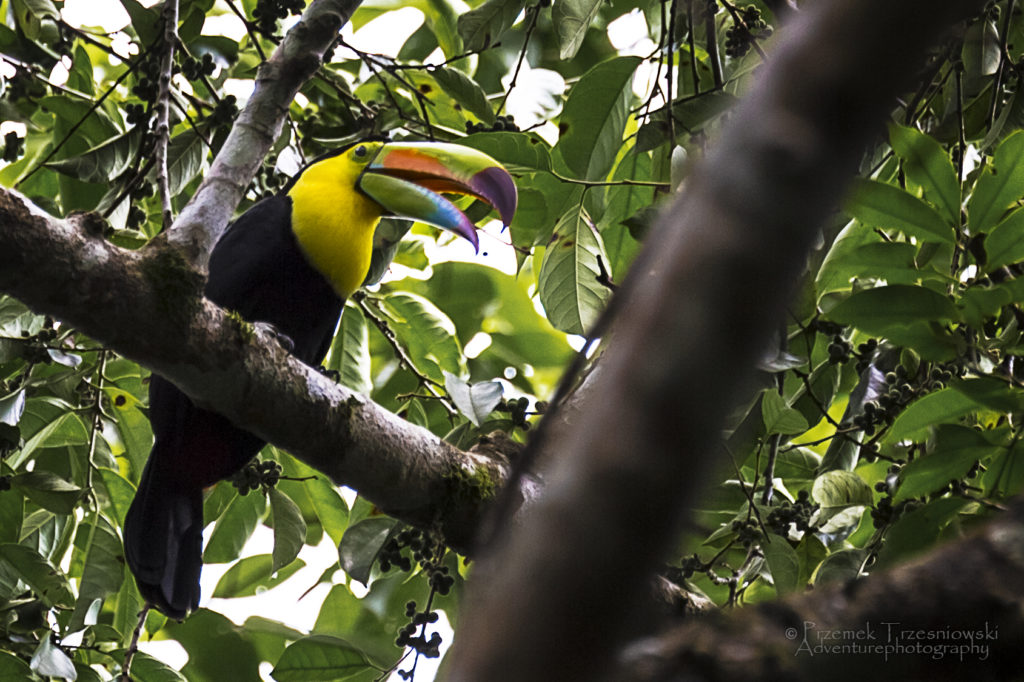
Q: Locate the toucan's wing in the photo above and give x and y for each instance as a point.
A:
(258, 270)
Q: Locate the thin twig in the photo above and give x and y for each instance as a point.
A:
(533, 12)
(163, 127)
(133, 647)
(359, 298)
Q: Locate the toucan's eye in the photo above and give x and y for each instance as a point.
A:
(360, 152)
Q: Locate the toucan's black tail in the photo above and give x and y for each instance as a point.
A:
(163, 541)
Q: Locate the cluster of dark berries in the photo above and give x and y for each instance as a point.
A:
(256, 474)
(35, 349)
(517, 408)
(865, 351)
(740, 36)
(839, 350)
(885, 512)
(225, 111)
(407, 637)
(148, 77)
(266, 183)
(194, 69)
(5, 483)
(136, 113)
(14, 147)
(798, 513)
(687, 567)
(747, 532)
(268, 12)
(23, 85)
(825, 327)
(502, 123)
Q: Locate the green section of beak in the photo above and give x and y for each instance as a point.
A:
(405, 199)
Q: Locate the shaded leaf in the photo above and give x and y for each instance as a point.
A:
(928, 165)
(780, 418)
(252, 575)
(101, 163)
(889, 207)
(466, 91)
(475, 401)
(361, 544)
(289, 528)
(234, 527)
(783, 563)
(568, 282)
(481, 26)
(47, 582)
(999, 184)
(594, 118)
(572, 19)
(319, 658)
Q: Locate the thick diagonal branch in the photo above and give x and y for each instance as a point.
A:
(554, 598)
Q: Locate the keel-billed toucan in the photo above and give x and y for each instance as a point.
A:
(290, 261)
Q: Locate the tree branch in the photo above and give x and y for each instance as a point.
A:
(974, 585)
(695, 312)
(148, 306)
(258, 126)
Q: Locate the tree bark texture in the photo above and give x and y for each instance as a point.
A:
(554, 597)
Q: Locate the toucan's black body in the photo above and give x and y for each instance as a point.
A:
(257, 270)
(289, 261)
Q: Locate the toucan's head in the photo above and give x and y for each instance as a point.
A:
(409, 179)
(338, 199)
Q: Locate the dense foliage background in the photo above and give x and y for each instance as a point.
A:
(887, 415)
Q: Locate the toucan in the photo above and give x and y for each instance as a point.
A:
(289, 261)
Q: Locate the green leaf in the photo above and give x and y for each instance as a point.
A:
(917, 530)
(568, 282)
(185, 156)
(842, 566)
(482, 26)
(778, 417)
(783, 563)
(63, 431)
(841, 489)
(350, 351)
(37, 19)
(51, 661)
(426, 333)
(466, 91)
(103, 570)
(928, 165)
(253, 575)
(289, 528)
(811, 552)
(361, 544)
(955, 451)
(999, 185)
(48, 490)
(102, 163)
(145, 668)
(572, 19)
(48, 582)
(330, 507)
(475, 401)
(942, 406)
(12, 511)
(319, 658)
(889, 207)
(881, 309)
(594, 118)
(13, 669)
(234, 527)
(12, 407)
(145, 21)
(1004, 245)
(516, 151)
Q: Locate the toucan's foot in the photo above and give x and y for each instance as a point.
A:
(282, 338)
(332, 374)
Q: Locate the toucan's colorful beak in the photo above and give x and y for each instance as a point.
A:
(408, 178)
